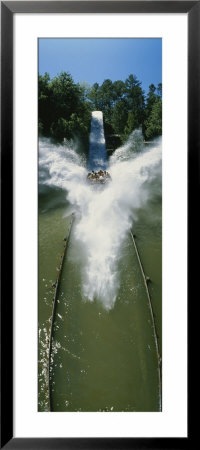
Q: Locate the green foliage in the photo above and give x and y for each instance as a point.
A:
(151, 97)
(119, 117)
(118, 90)
(132, 123)
(153, 125)
(119, 101)
(65, 94)
(65, 107)
(159, 90)
(40, 128)
(63, 128)
(93, 96)
(135, 98)
(59, 129)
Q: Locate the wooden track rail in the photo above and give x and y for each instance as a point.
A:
(146, 279)
(56, 286)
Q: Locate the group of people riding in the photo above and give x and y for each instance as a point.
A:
(102, 176)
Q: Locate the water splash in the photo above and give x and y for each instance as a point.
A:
(105, 213)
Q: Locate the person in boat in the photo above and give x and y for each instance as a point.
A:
(101, 176)
(90, 176)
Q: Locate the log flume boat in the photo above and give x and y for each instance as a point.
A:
(100, 177)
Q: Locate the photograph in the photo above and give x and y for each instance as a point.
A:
(100, 224)
(99, 159)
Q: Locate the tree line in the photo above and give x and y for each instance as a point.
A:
(64, 107)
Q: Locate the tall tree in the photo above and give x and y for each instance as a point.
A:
(153, 124)
(63, 109)
(118, 90)
(159, 90)
(119, 117)
(45, 103)
(93, 96)
(135, 99)
(65, 94)
(151, 98)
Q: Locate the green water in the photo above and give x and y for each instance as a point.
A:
(102, 360)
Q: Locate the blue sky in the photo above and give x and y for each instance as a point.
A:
(94, 60)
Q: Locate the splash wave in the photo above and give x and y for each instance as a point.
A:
(105, 215)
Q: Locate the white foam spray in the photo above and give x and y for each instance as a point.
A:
(105, 212)
(97, 149)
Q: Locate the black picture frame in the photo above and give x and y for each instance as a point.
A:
(8, 9)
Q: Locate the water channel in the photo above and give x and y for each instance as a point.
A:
(103, 345)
